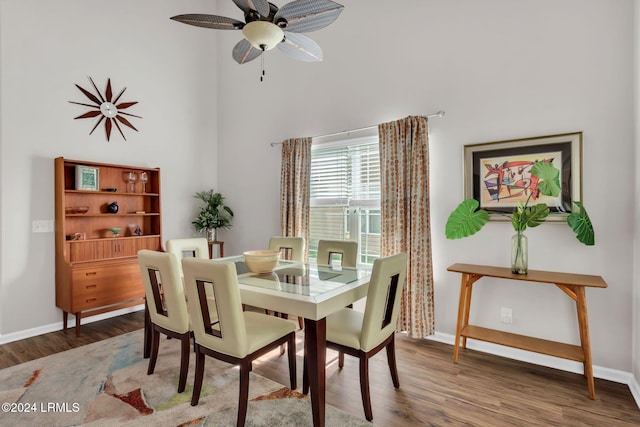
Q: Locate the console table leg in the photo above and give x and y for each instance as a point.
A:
(585, 342)
(462, 305)
(65, 319)
(467, 309)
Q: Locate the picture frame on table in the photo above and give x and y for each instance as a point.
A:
(498, 174)
(87, 178)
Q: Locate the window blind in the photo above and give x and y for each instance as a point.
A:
(345, 194)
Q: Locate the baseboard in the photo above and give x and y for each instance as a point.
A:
(28, 333)
(544, 360)
(635, 391)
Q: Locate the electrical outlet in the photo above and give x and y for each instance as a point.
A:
(506, 315)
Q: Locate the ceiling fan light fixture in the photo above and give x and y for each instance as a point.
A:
(263, 35)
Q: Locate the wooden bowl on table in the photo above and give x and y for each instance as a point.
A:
(261, 261)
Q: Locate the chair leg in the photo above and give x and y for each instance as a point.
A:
(184, 362)
(391, 359)
(305, 373)
(197, 383)
(291, 346)
(340, 359)
(155, 342)
(364, 387)
(301, 322)
(243, 396)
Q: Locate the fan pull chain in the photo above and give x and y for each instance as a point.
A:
(262, 65)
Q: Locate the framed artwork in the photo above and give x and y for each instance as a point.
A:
(87, 178)
(498, 174)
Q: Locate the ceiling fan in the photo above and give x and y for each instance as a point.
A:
(267, 26)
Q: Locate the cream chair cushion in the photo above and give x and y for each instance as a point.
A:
(294, 244)
(345, 327)
(240, 332)
(348, 249)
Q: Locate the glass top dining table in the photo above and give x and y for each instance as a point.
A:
(312, 292)
(305, 290)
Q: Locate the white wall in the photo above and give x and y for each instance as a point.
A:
(636, 254)
(47, 47)
(501, 70)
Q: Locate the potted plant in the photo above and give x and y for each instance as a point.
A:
(214, 215)
(467, 219)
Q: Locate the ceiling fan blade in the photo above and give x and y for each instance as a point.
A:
(209, 21)
(304, 16)
(243, 52)
(260, 6)
(300, 47)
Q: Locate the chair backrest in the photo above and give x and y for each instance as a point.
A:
(229, 334)
(197, 247)
(163, 290)
(346, 248)
(291, 248)
(383, 300)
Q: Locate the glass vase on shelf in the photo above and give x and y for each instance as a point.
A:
(519, 254)
(144, 178)
(130, 178)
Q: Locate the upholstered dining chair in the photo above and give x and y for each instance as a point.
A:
(196, 247)
(347, 249)
(363, 334)
(167, 306)
(291, 248)
(238, 337)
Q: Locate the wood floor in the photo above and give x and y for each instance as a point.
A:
(481, 390)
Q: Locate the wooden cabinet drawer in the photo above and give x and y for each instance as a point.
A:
(104, 285)
(100, 249)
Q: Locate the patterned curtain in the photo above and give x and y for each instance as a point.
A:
(295, 184)
(404, 164)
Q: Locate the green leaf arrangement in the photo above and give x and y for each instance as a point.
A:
(467, 219)
(215, 214)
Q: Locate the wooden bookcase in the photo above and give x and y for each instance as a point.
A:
(95, 271)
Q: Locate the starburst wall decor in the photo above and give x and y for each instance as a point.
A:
(107, 108)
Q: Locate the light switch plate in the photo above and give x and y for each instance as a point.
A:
(42, 226)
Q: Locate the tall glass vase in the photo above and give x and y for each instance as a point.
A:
(519, 254)
(211, 235)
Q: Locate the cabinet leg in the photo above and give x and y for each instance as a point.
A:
(65, 319)
(78, 318)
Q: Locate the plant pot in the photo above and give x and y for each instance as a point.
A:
(519, 254)
(212, 235)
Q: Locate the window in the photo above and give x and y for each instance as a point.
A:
(345, 194)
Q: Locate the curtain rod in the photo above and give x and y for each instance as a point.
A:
(438, 114)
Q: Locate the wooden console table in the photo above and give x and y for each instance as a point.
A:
(571, 284)
(220, 246)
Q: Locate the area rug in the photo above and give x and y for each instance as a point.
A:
(106, 384)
